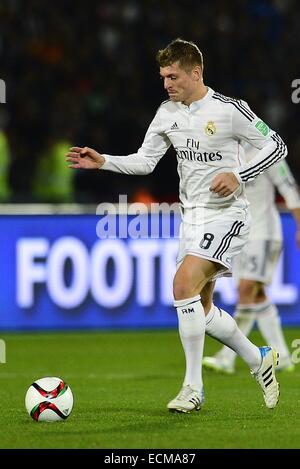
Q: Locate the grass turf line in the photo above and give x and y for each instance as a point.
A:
(121, 383)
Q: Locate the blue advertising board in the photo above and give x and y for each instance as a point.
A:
(56, 273)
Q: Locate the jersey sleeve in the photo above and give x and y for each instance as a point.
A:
(247, 126)
(154, 146)
(281, 176)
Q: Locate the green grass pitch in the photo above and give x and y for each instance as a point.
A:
(122, 382)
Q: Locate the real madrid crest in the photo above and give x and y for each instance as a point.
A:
(210, 128)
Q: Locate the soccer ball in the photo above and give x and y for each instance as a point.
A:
(49, 400)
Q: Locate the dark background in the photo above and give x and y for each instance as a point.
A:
(85, 72)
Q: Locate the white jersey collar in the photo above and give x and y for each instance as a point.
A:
(195, 105)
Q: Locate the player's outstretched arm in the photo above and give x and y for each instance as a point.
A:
(84, 158)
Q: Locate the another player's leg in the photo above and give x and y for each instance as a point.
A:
(269, 325)
(268, 321)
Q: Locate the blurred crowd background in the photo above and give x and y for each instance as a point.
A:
(84, 73)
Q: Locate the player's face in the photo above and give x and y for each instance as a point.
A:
(179, 83)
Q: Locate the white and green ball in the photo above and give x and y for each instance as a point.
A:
(49, 400)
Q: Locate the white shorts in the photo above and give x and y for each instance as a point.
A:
(257, 261)
(217, 240)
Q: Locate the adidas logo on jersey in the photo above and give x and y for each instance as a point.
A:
(174, 126)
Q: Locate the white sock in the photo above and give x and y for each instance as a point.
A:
(244, 316)
(191, 322)
(221, 326)
(269, 324)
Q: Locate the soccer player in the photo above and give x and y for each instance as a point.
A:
(254, 267)
(206, 130)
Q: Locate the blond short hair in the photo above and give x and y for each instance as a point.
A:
(186, 53)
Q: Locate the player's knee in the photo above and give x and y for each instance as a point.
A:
(182, 291)
(184, 287)
(247, 291)
(187, 284)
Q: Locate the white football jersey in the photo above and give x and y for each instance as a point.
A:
(207, 138)
(261, 194)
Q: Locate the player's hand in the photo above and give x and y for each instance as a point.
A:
(84, 158)
(224, 184)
